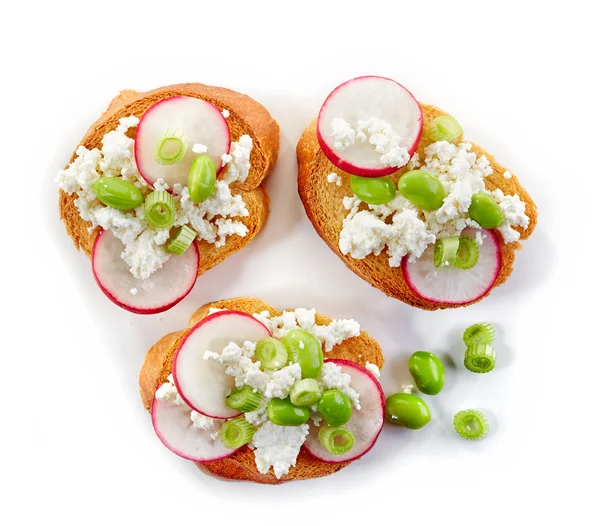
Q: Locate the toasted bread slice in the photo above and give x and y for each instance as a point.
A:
(247, 116)
(323, 204)
(241, 465)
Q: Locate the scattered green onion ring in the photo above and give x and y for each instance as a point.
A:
(443, 128)
(479, 333)
(244, 399)
(305, 392)
(336, 440)
(271, 353)
(445, 251)
(468, 254)
(236, 432)
(480, 358)
(159, 209)
(182, 240)
(170, 148)
(471, 424)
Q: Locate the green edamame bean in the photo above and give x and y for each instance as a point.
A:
(304, 349)
(373, 190)
(427, 371)
(407, 410)
(118, 193)
(335, 407)
(485, 211)
(201, 178)
(422, 189)
(283, 413)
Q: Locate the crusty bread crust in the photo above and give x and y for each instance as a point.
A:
(247, 116)
(241, 465)
(323, 204)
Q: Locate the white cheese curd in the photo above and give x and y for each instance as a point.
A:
(199, 148)
(373, 369)
(225, 113)
(278, 447)
(507, 174)
(343, 134)
(332, 377)
(399, 228)
(330, 335)
(334, 178)
(214, 220)
(201, 422)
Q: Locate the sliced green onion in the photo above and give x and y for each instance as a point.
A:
(159, 209)
(170, 148)
(468, 254)
(471, 424)
(443, 128)
(480, 358)
(336, 440)
(182, 240)
(271, 353)
(445, 251)
(305, 392)
(479, 333)
(236, 432)
(244, 399)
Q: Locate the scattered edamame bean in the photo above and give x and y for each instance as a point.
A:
(422, 189)
(407, 410)
(485, 210)
(427, 371)
(373, 190)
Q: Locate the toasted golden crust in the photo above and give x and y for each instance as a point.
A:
(246, 117)
(241, 465)
(323, 204)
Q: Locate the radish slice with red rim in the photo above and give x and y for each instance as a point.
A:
(203, 384)
(174, 428)
(449, 284)
(365, 98)
(166, 287)
(198, 121)
(365, 424)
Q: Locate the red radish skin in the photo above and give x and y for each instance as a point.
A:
(174, 428)
(371, 387)
(107, 246)
(156, 121)
(201, 381)
(337, 159)
(493, 262)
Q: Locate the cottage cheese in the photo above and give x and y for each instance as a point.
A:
(373, 369)
(334, 178)
(401, 229)
(278, 447)
(214, 220)
(330, 335)
(376, 132)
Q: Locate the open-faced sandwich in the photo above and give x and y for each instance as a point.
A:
(165, 185)
(251, 393)
(392, 188)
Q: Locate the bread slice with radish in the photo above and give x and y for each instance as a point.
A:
(321, 163)
(240, 465)
(209, 117)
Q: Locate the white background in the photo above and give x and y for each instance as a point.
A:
(77, 446)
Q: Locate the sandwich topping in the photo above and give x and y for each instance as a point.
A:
(278, 393)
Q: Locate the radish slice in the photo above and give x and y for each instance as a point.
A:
(175, 429)
(365, 424)
(365, 98)
(200, 123)
(452, 285)
(163, 289)
(202, 383)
